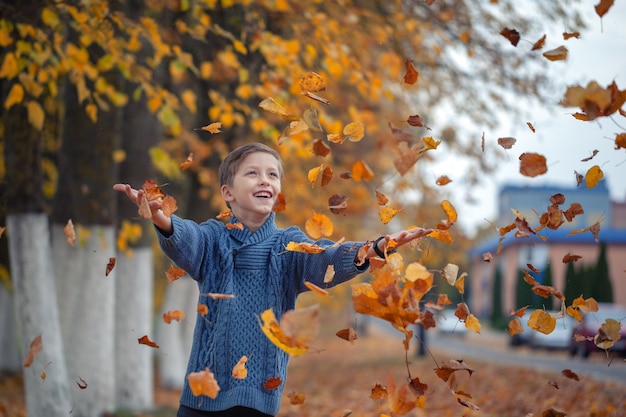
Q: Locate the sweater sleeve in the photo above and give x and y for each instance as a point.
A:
(312, 267)
(188, 245)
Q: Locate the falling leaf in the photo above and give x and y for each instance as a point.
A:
(589, 158)
(329, 275)
(110, 267)
(317, 98)
(315, 288)
(608, 334)
(450, 273)
(145, 340)
(539, 43)
(387, 213)
(411, 74)
(70, 234)
(219, 296)
(297, 328)
(589, 305)
(397, 399)
(443, 180)
(280, 203)
(295, 398)
(272, 383)
(170, 315)
(567, 373)
(187, 162)
(203, 383)
(507, 143)
(603, 7)
(451, 215)
(272, 106)
(348, 334)
(239, 370)
(312, 81)
(235, 226)
(532, 164)
(144, 207)
(487, 257)
(212, 128)
(417, 121)
(558, 54)
(361, 171)
(320, 148)
(515, 327)
(304, 247)
(571, 258)
(202, 309)
(174, 273)
(594, 229)
(512, 35)
(568, 35)
(620, 141)
(169, 206)
(530, 126)
(378, 392)
(311, 118)
(354, 131)
(542, 321)
(82, 384)
(337, 203)
(33, 350)
(593, 176)
(449, 367)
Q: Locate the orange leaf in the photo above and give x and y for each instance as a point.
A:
(304, 247)
(348, 334)
(512, 35)
(354, 131)
(542, 321)
(239, 370)
(187, 162)
(315, 288)
(169, 206)
(295, 398)
(449, 367)
(174, 273)
(515, 327)
(443, 180)
(589, 305)
(237, 226)
(320, 148)
(177, 315)
(202, 309)
(33, 350)
(212, 128)
(411, 74)
(441, 235)
(280, 203)
(361, 171)
(507, 143)
(557, 54)
(381, 198)
(272, 383)
(272, 106)
(145, 340)
(296, 330)
(603, 7)
(312, 81)
(532, 164)
(608, 334)
(593, 176)
(568, 373)
(203, 383)
(337, 203)
(539, 43)
(571, 258)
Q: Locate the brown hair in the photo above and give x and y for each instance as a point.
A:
(230, 164)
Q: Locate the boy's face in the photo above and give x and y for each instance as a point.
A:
(254, 189)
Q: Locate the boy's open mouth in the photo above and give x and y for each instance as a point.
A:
(263, 194)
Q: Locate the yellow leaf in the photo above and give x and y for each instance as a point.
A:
(203, 383)
(36, 115)
(387, 213)
(430, 143)
(297, 328)
(472, 323)
(240, 47)
(442, 235)
(314, 173)
(49, 17)
(16, 95)
(593, 176)
(304, 247)
(9, 68)
(189, 100)
(272, 106)
(206, 69)
(542, 321)
(557, 54)
(92, 112)
(354, 132)
(239, 370)
(319, 225)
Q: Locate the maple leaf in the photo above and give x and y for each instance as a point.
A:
(33, 350)
(239, 370)
(203, 383)
(296, 330)
(411, 74)
(110, 266)
(145, 340)
(170, 315)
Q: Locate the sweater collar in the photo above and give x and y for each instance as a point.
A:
(246, 237)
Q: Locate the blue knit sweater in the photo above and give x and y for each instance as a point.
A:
(261, 274)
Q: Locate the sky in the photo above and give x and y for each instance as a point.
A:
(600, 55)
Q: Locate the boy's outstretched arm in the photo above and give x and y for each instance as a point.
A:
(159, 219)
(401, 238)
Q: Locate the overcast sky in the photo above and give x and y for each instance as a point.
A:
(600, 55)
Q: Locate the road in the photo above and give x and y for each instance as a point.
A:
(494, 347)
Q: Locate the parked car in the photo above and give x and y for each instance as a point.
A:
(559, 338)
(590, 325)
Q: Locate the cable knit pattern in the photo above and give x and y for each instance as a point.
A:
(261, 274)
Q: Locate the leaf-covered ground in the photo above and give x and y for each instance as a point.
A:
(337, 377)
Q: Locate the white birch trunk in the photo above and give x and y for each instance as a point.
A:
(134, 368)
(37, 314)
(175, 338)
(87, 310)
(9, 352)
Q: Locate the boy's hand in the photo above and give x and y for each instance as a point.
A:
(401, 238)
(136, 196)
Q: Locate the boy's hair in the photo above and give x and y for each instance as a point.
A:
(231, 163)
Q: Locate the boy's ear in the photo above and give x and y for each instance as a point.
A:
(226, 194)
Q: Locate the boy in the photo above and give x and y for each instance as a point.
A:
(253, 265)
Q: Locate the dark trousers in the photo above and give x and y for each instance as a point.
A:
(184, 411)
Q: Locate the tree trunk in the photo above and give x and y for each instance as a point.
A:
(86, 295)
